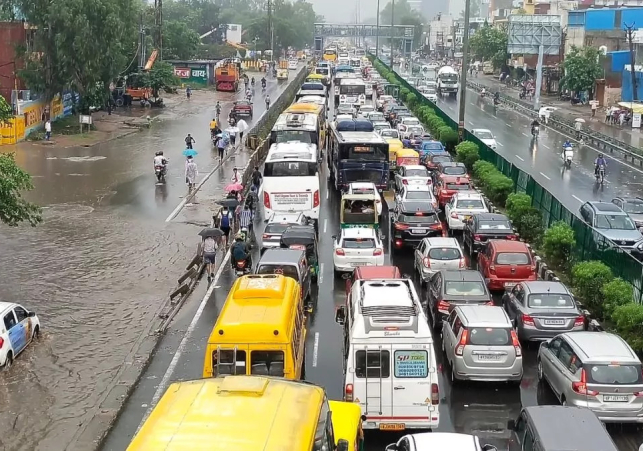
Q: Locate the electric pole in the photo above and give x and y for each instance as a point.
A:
(392, 25)
(465, 67)
(377, 27)
(271, 32)
(158, 23)
(629, 31)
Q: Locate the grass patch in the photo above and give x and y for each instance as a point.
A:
(64, 126)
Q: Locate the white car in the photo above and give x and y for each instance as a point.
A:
(414, 130)
(357, 247)
(364, 110)
(412, 174)
(375, 116)
(437, 253)
(292, 64)
(380, 125)
(389, 133)
(18, 328)
(383, 100)
(410, 121)
(439, 441)
(418, 193)
(431, 95)
(463, 205)
(486, 137)
(367, 188)
(343, 117)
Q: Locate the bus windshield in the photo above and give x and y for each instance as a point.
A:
(364, 152)
(352, 90)
(290, 169)
(284, 136)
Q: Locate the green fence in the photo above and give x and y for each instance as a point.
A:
(590, 244)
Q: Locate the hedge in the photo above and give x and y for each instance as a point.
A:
(467, 152)
(494, 183)
(558, 242)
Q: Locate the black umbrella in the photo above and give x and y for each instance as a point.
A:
(229, 203)
(211, 232)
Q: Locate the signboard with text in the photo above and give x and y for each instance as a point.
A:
(192, 74)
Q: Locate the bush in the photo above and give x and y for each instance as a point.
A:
(467, 152)
(628, 319)
(499, 186)
(425, 111)
(517, 205)
(434, 124)
(448, 137)
(391, 78)
(616, 293)
(481, 168)
(530, 227)
(558, 242)
(587, 279)
(411, 100)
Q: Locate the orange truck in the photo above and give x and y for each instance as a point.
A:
(226, 77)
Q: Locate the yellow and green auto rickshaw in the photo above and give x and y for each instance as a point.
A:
(407, 157)
(394, 146)
(347, 421)
(359, 210)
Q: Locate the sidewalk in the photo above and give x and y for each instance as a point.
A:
(626, 134)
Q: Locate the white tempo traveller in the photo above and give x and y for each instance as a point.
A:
(389, 362)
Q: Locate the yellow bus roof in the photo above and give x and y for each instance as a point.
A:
(313, 108)
(346, 418)
(256, 307)
(241, 413)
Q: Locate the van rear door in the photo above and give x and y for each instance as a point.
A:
(373, 383)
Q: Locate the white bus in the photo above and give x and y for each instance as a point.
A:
(291, 180)
(352, 91)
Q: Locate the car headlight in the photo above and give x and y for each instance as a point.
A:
(640, 246)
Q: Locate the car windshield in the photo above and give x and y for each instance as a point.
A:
(432, 146)
(616, 222)
(286, 270)
(363, 191)
(549, 300)
(633, 207)
(513, 258)
(464, 288)
(494, 225)
(444, 253)
(490, 336)
(484, 135)
(420, 172)
(416, 195)
(390, 134)
(358, 243)
(454, 170)
(614, 374)
(469, 204)
(416, 130)
(276, 228)
(419, 218)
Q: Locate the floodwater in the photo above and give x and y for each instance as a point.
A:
(100, 267)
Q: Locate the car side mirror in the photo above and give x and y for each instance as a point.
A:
(511, 425)
(391, 447)
(342, 445)
(340, 315)
(31, 314)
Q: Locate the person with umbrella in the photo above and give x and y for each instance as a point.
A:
(221, 144)
(188, 141)
(209, 256)
(242, 126)
(191, 172)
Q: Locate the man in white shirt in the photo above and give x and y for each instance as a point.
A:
(191, 173)
(242, 126)
(47, 130)
(209, 256)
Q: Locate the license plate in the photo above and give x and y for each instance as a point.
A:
(467, 217)
(392, 426)
(616, 398)
(418, 230)
(489, 357)
(510, 284)
(359, 264)
(554, 322)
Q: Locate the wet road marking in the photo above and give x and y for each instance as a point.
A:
(520, 158)
(325, 225)
(547, 177)
(525, 134)
(321, 273)
(316, 349)
(579, 200)
(545, 145)
(188, 334)
(509, 125)
(327, 192)
(500, 144)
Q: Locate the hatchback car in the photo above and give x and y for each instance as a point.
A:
(486, 137)
(431, 95)
(365, 110)
(541, 310)
(411, 221)
(435, 254)
(18, 328)
(277, 223)
(483, 227)
(412, 175)
(448, 185)
(417, 193)
(462, 206)
(449, 168)
(633, 206)
(367, 188)
(242, 108)
(432, 159)
(292, 64)
(357, 247)
(446, 289)
(480, 344)
(504, 263)
(596, 370)
(375, 116)
(614, 224)
(389, 133)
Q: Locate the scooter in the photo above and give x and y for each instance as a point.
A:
(567, 156)
(241, 268)
(160, 170)
(535, 131)
(600, 174)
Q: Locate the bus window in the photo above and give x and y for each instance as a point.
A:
(285, 136)
(290, 169)
(364, 152)
(267, 363)
(352, 90)
(228, 361)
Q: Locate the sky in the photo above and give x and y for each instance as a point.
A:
(343, 11)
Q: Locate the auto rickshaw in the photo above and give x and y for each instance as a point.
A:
(359, 210)
(407, 157)
(304, 238)
(347, 421)
(394, 146)
(315, 77)
(282, 74)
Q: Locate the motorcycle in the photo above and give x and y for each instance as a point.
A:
(160, 170)
(535, 131)
(600, 174)
(241, 268)
(496, 102)
(568, 155)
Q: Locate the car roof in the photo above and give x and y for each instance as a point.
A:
(450, 164)
(545, 286)
(412, 206)
(4, 306)
(567, 427)
(465, 275)
(606, 207)
(601, 347)
(279, 256)
(484, 315)
(358, 232)
(468, 195)
(377, 272)
(509, 246)
(637, 200)
(475, 130)
(445, 440)
(454, 178)
(362, 185)
(442, 242)
(414, 166)
(417, 188)
(491, 217)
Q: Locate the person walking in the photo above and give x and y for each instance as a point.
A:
(209, 256)
(191, 173)
(221, 144)
(48, 130)
(594, 107)
(242, 126)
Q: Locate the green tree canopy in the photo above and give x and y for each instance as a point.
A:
(490, 44)
(160, 76)
(179, 40)
(13, 181)
(5, 110)
(581, 68)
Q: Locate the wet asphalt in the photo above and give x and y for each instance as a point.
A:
(101, 266)
(481, 409)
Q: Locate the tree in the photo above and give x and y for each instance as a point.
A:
(581, 68)
(6, 112)
(160, 76)
(179, 41)
(490, 44)
(13, 180)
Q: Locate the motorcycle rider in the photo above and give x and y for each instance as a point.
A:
(213, 127)
(534, 124)
(188, 92)
(263, 83)
(569, 144)
(188, 141)
(240, 251)
(160, 160)
(252, 82)
(600, 161)
(249, 95)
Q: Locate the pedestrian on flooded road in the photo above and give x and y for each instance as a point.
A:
(209, 256)
(48, 130)
(235, 176)
(188, 141)
(221, 144)
(242, 126)
(191, 172)
(225, 223)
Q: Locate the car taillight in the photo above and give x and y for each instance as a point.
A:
(429, 181)
(266, 199)
(459, 350)
(492, 269)
(1, 342)
(405, 182)
(340, 252)
(512, 237)
(528, 320)
(400, 226)
(377, 252)
(435, 394)
(265, 236)
(437, 226)
(348, 393)
(443, 307)
(579, 321)
(581, 386)
(316, 199)
(489, 303)
(516, 343)
(454, 215)
(427, 262)
(463, 263)
(477, 238)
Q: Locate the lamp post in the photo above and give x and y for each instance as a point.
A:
(465, 67)
(392, 24)
(377, 32)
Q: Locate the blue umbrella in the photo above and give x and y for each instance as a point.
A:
(189, 153)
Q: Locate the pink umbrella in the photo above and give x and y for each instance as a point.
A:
(234, 187)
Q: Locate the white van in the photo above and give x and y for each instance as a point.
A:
(389, 362)
(291, 180)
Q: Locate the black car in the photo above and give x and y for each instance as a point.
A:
(411, 221)
(484, 227)
(446, 289)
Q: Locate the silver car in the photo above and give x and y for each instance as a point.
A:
(614, 224)
(597, 370)
(633, 206)
(540, 310)
(480, 345)
(434, 254)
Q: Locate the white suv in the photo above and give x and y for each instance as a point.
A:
(462, 206)
(357, 247)
(435, 254)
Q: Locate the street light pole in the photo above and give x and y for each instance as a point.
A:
(629, 30)
(377, 32)
(465, 67)
(392, 24)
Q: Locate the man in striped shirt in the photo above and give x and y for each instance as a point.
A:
(245, 220)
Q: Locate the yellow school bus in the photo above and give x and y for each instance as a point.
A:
(240, 413)
(261, 330)
(320, 113)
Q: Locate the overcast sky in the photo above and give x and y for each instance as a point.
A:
(343, 11)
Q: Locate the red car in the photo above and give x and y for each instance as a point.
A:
(431, 161)
(505, 263)
(241, 108)
(448, 185)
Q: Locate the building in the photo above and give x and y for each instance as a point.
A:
(12, 34)
(234, 34)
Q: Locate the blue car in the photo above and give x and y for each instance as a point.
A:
(431, 147)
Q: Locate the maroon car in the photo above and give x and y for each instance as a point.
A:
(241, 108)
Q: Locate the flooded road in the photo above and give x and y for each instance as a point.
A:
(101, 266)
